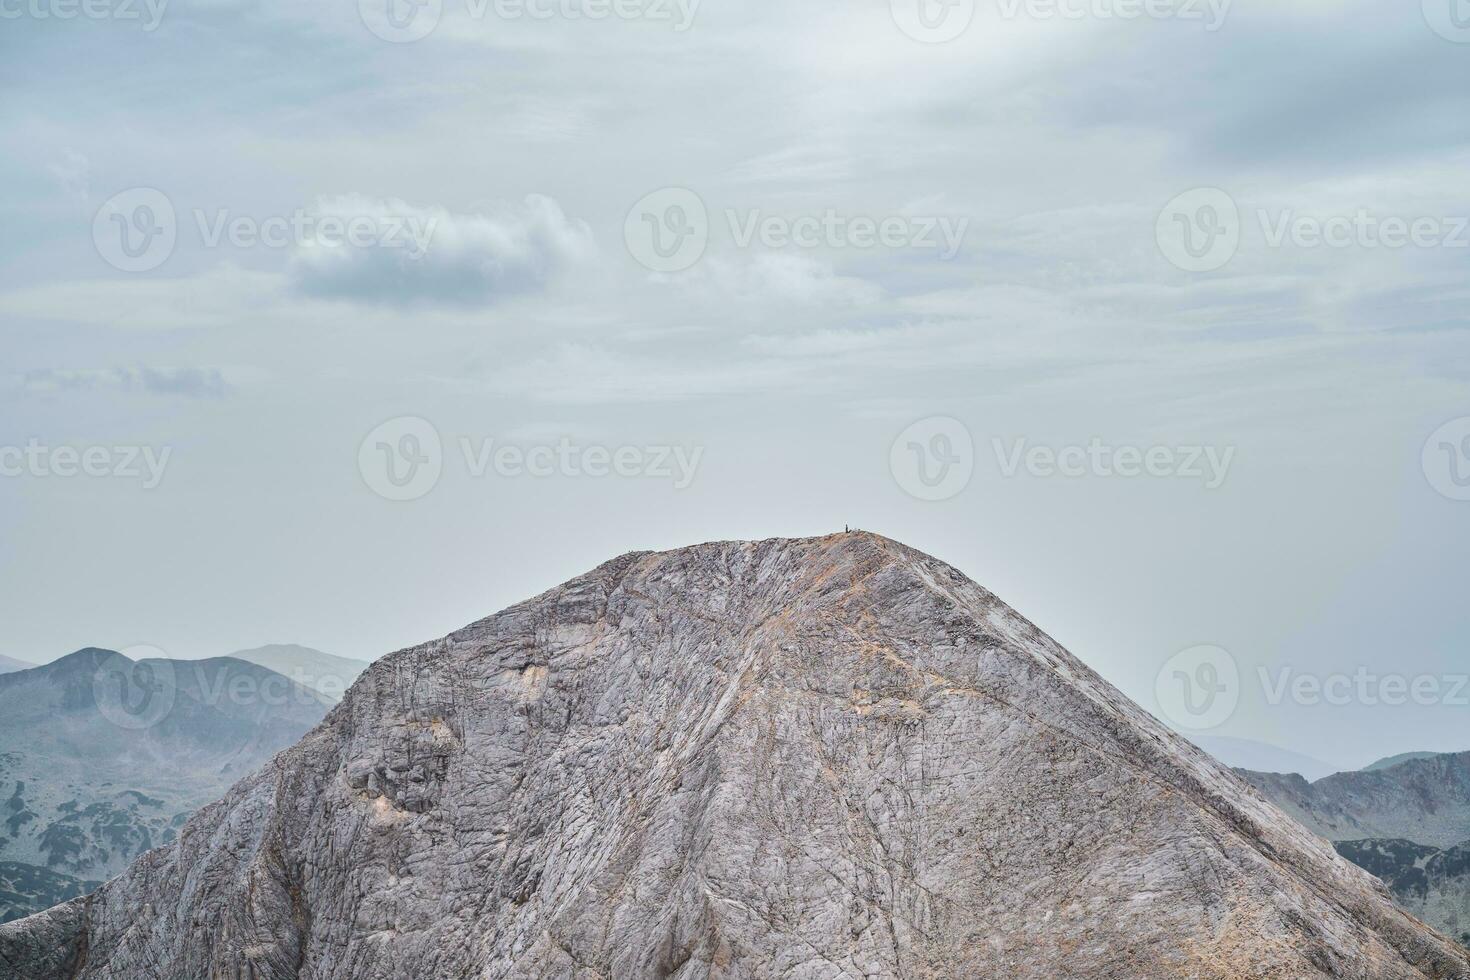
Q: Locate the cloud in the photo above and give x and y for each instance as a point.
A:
(794, 164)
(429, 256)
(579, 374)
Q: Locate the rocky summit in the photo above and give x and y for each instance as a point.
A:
(799, 759)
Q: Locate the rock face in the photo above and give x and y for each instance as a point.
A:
(821, 758)
(1426, 800)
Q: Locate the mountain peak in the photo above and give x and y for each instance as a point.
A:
(85, 660)
(734, 759)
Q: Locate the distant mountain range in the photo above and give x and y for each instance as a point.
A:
(1423, 800)
(1244, 753)
(9, 664)
(324, 673)
(1405, 819)
(103, 757)
(1394, 760)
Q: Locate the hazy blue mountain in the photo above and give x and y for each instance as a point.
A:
(1244, 753)
(10, 664)
(103, 757)
(1399, 759)
(325, 673)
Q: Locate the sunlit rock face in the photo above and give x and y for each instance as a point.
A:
(798, 759)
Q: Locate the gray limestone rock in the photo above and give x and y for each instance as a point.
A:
(796, 759)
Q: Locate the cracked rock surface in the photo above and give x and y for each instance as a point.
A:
(798, 759)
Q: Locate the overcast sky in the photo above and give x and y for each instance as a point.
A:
(795, 259)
